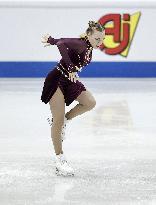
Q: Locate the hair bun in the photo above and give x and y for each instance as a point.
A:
(92, 23)
(96, 25)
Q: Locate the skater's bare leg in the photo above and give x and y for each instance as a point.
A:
(57, 107)
(86, 102)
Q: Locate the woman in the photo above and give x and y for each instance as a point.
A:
(62, 85)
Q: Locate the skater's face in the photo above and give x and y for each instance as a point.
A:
(96, 38)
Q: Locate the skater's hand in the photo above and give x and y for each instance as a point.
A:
(45, 39)
(73, 76)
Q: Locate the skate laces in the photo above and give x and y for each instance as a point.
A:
(50, 121)
(64, 161)
(64, 126)
(62, 158)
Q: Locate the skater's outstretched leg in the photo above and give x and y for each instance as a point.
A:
(57, 107)
(86, 102)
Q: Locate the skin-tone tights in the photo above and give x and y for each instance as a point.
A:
(57, 107)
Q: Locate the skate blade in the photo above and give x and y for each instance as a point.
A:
(59, 173)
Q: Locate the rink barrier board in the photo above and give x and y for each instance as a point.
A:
(94, 69)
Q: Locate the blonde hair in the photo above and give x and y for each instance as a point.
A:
(92, 25)
(83, 35)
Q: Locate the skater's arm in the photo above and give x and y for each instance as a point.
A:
(64, 53)
(68, 43)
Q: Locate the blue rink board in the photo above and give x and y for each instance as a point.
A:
(94, 69)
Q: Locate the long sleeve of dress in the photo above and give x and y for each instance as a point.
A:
(73, 52)
(64, 53)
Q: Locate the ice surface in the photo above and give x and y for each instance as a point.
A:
(112, 147)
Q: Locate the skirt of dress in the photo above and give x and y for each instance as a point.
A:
(70, 90)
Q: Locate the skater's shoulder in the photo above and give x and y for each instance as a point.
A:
(71, 40)
(74, 43)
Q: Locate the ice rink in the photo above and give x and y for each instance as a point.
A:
(112, 147)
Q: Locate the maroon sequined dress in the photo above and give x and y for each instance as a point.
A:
(74, 52)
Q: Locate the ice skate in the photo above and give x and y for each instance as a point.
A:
(62, 166)
(64, 128)
(50, 121)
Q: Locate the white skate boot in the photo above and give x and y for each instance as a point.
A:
(63, 127)
(62, 166)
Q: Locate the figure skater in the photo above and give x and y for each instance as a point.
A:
(62, 85)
